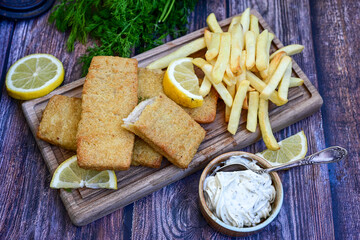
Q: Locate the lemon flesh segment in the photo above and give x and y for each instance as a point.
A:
(70, 175)
(291, 149)
(34, 76)
(181, 83)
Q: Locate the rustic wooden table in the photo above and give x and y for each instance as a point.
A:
(320, 202)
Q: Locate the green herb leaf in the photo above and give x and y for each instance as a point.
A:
(120, 27)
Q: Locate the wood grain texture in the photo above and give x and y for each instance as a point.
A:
(139, 182)
(303, 187)
(337, 44)
(6, 34)
(30, 210)
(301, 217)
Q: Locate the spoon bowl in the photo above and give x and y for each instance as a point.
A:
(220, 226)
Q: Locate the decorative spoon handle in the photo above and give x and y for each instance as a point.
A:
(328, 155)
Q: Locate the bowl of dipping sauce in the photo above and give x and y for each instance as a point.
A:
(239, 203)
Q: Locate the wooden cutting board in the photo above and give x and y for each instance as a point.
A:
(87, 205)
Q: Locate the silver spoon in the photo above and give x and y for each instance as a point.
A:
(328, 155)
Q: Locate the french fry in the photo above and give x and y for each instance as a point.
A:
(237, 44)
(295, 82)
(213, 49)
(271, 38)
(227, 80)
(223, 58)
(250, 43)
(201, 63)
(183, 51)
(227, 113)
(262, 55)
(229, 73)
(274, 63)
(242, 76)
(284, 84)
(234, 20)
(264, 73)
(265, 126)
(232, 91)
(207, 68)
(212, 61)
(254, 69)
(213, 23)
(207, 36)
(245, 20)
(289, 50)
(259, 85)
(254, 25)
(275, 78)
(251, 121)
(224, 93)
(205, 87)
(234, 80)
(245, 103)
(237, 106)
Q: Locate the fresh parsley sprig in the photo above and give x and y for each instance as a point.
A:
(120, 27)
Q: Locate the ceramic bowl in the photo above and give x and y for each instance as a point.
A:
(224, 228)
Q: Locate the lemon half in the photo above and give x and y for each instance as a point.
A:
(34, 76)
(181, 83)
(291, 149)
(70, 175)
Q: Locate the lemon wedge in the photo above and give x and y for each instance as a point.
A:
(70, 175)
(291, 149)
(34, 76)
(181, 83)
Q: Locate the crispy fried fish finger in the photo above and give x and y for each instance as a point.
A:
(60, 120)
(167, 128)
(109, 94)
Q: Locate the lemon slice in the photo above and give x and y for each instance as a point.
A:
(291, 149)
(70, 175)
(181, 83)
(34, 76)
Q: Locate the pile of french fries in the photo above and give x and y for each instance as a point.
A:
(239, 66)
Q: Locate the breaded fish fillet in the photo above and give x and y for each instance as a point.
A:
(207, 112)
(109, 94)
(166, 127)
(150, 85)
(59, 127)
(64, 111)
(60, 120)
(145, 155)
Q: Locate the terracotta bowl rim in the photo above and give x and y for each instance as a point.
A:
(274, 176)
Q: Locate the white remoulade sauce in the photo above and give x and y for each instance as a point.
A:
(240, 198)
